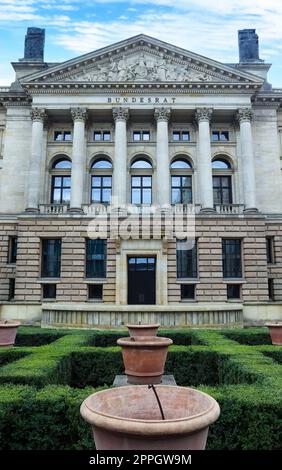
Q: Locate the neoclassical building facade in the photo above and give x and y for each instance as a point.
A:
(106, 158)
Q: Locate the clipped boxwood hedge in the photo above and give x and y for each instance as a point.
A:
(42, 387)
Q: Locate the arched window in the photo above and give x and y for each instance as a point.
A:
(141, 181)
(61, 180)
(222, 180)
(101, 180)
(181, 181)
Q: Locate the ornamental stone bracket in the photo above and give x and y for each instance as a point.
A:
(38, 115)
(121, 114)
(79, 114)
(162, 114)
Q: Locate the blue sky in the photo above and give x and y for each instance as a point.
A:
(74, 27)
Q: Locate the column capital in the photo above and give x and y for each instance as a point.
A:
(162, 114)
(38, 115)
(203, 114)
(79, 114)
(244, 114)
(121, 114)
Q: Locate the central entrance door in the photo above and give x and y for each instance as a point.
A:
(141, 280)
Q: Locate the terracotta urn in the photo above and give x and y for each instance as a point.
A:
(8, 332)
(144, 358)
(129, 418)
(275, 330)
(143, 330)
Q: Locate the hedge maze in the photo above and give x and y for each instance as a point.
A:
(44, 379)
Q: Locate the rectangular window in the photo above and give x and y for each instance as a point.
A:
(95, 292)
(12, 250)
(270, 250)
(271, 289)
(186, 259)
(233, 291)
(61, 189)
(141, 135)
(232, 258)
(220, 136)
(12, 283)
(60, 136)
(222, 189)
(183, 136)
(51, 257)
(96, 258)
(187, 291)
(181, 189)
(141, 190)
(101, 189)
(100, 136)
(49, 291)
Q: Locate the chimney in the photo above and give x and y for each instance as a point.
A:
(248, 46)
(34, 45)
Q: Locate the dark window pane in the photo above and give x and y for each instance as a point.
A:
(96, 256)
(186, 196)
(58, 135)
(231, 257)
(187, 291)
(95, 291)
(186, 256)
(186, 181)
(233, 291)
(12, 283)
(222, 189)
(146, 135)
(136, 136)
(271, 289)
(270, 249)
(51, 258)
(215, 136)
(49, 291)
(61, 186)
(176, 136)
(12, 253)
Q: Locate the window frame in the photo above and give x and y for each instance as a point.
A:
(12, 249)
(44, 274)
(60, 173)
(43, 286)
(141, 189)
(12, 289)
(235, 285)
(63, 132)
(187, 299)
(225, 273)
(194, 262)
(141, 132)
(181, 132)
(270, 249)
(102, 273)
(220, 132)
(95, 299)
(102, 132)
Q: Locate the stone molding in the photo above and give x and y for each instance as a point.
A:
(38, 115)
(79, 114)
(121, 114)
(162, 114)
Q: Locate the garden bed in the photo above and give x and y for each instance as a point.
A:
(44, 380)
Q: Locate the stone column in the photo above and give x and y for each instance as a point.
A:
(203, 117)
(162, 116)
(121, 116)
(79, 116)
(244, 116)
(38, 117)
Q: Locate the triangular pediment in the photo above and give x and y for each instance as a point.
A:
(141, 59)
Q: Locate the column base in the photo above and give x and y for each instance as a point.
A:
(32, 210)
(251, 210)
(75, 210)
(207, 210)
